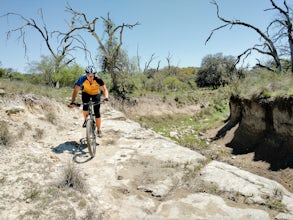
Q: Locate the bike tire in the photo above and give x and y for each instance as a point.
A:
(91, 137)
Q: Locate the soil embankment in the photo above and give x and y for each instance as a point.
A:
(265, 127)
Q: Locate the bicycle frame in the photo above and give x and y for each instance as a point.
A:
(91, 113)
(91, 128)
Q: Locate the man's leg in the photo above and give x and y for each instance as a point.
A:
(85, 113)
(98, 123)
(85, 99)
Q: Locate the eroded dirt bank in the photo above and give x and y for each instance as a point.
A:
(265, 127)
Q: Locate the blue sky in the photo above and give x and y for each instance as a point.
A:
(178, 28)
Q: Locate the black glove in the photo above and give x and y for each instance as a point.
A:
(75, 104)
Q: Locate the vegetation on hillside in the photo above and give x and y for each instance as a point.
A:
(175, 86)
(208, 86)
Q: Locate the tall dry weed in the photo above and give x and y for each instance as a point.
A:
(72, 178)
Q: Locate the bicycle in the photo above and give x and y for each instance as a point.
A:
(91, 128)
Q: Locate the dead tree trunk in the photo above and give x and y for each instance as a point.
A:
(269, 46)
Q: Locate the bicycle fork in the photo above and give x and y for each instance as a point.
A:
(91, 116)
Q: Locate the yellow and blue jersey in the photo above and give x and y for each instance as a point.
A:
(91, 89)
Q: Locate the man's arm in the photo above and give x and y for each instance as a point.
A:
(74, 93)
(105, 91)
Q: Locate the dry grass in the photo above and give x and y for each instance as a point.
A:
(264, 84)
(5, 136)
(72, 178)
(39, 133)
(32, 193)
(22, 87)
(91, 214)
(51, 117)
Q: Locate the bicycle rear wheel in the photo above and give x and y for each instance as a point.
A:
(91, 137)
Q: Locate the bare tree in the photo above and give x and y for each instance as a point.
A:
(111, 48)
(268, 46)
(168, 58)
(150, 72)
(158, 65)
(138, 60)
(61, 54)
(148, 63)
(285, 27)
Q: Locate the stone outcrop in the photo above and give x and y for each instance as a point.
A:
(136, 173)
(265, 126)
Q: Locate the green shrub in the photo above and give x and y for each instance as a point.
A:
(2, 72)
(174, 84)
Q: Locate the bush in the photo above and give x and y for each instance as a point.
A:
(216, 70)
(2, 72)
(208, 78)
(174, 84)
(67, 76)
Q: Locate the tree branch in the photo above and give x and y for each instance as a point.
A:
(268, 45)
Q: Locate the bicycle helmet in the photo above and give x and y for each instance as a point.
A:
(90, 70)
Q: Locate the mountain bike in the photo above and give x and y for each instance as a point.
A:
(91, 128)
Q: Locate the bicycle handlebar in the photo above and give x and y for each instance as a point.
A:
(98, 103)
(94, 103)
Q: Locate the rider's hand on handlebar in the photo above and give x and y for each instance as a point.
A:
(72, 105)
(106, 100)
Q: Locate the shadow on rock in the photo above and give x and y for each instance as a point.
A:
(69, 146)
(82, 156)
(77, 149)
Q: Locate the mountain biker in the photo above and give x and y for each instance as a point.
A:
(90, 85)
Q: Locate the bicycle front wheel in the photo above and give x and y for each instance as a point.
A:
(91, 137)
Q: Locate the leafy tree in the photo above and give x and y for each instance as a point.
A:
(65, 76)
(46, 67)
(215, 70)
